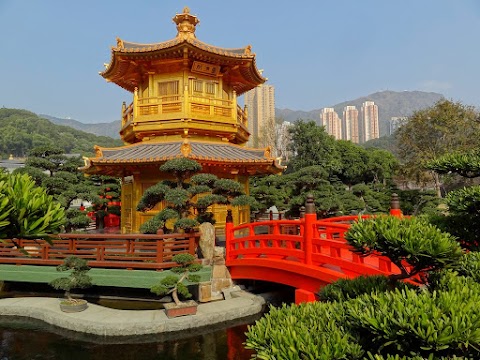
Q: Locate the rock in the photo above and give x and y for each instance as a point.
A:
(207, 240)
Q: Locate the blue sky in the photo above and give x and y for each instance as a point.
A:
(315, 52)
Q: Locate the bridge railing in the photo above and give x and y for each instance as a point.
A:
(307, 240)
(131, 251)
(280, 239)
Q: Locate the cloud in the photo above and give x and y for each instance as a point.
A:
(434, 86)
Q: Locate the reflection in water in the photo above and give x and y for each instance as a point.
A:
(22, 340)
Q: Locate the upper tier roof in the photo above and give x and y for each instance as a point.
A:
(131, 61)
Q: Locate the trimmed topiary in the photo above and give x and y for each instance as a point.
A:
(346, 289)
(151, 226)
(177, 285)
(412, 244)
(307, 331)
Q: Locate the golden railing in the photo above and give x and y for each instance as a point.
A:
(189, 105)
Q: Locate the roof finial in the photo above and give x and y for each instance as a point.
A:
(186, 24)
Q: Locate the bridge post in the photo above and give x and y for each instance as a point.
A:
(395, 206)
(310, 218)
(228, 232)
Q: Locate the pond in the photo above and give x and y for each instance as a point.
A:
(27, 339)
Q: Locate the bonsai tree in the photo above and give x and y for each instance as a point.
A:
(412, 244)
(58, 173)
(26, 210)
(187, 192)
(176, 285)
(78, 278)
(105, 198)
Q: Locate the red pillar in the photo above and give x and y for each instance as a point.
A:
(310, 219)
(395, 206)
(302, 296)
(228, 233)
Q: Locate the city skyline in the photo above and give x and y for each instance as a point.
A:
(53, 51)
(356, 126)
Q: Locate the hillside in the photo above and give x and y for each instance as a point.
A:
(110, 129)
(390, 104)
(22, 130)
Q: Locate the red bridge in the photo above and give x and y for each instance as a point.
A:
(306, 254)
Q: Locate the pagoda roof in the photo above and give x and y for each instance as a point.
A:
(145, 153)
(129, 61)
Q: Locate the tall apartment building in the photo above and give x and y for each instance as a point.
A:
(351, 124)
(369, 121)
(333, 125)
(260, 104)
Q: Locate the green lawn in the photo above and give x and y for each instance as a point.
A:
(101, 277)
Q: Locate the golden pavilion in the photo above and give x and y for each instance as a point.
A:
(184, 104)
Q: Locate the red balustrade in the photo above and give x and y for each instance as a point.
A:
(131, 251)
(306, 253)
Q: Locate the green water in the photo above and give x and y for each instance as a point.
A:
(22, 339)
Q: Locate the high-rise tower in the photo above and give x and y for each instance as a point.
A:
(350, 124)
(333, 125)
(260, 103)
(369, 121)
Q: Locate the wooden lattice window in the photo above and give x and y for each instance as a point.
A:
(198, 85)
(166, 88)
(210, 87)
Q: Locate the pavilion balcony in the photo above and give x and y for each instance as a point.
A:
(163, 113)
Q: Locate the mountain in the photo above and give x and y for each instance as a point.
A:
(390, 104)
(110, 129)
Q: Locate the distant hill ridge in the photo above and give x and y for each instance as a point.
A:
(390, 104)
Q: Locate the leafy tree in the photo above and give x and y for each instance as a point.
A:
(311, 145)
(463, 215)
(354, 162)
(271, 191)
(435, 131)
(417, 202)
(59, 175)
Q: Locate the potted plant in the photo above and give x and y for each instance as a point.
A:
(176, 285)
(78, 279)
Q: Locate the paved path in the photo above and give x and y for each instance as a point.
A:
(99, 320)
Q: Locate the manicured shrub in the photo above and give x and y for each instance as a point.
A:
(406, 322)
(308, 331)
(151, 226)
(346, 289)
(412, 244)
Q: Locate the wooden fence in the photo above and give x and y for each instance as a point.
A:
(128, 251)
